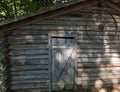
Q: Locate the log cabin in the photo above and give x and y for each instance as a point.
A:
(74, 47)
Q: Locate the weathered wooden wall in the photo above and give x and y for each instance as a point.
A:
(97, 63)
(4, 63)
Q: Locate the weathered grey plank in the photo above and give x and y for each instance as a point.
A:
(101, 74)
(110, 27)
(95, 32)
(27, 37)
(95, 53)
(97, 60)
(93, 78)
(53, 27)
(24, 42)
(99, 43)
(98, 50)
(31, 89)
(33, 32)
(29, 52)
(20, 63)
(95, 39)
(80, 27)
(97, 47)
(28, 57)
(73, 22)
(91, 83)
(77, 18)
(29, 67)
(30, 62)
(25, 47)
(29, 86)
(29, 77)
(29, 82)
(97, 56)
(98, 69)
(28, 72)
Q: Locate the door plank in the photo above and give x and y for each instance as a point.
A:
(63, 63)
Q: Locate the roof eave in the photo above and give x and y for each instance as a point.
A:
(47, 14)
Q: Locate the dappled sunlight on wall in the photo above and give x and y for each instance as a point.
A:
(97, 57)
(98, 84)
(29, 38)
(115, 58)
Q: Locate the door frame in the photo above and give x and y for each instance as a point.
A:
(61, 34)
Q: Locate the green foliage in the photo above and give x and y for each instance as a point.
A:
(12, 8)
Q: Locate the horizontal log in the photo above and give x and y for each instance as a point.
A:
(32, 72)
(100, 63)
(96, 40)
(99, 59)
(25, 42)
(100, 47)
(100, 74)
(29, 67)
(16, 32)
(91, 84)
(79, 18)
(28, 57)
(99, 9)
(98, 69)
(97, 47)
(53, 27)
(28, 37)
(76, 23)
(96, 61)
(29, 52)
(29, 82)
(40, 32)
(30, 89)
(21, 49)
(86, 25)
(103, 51)
(93, 78)
(80, 27)
(98, 43)
(93, 11)
(80, 32)
(29, 77)
(99, 52)
(29, 86)
(92, 37)
(34, 32)
(25, 47)
(30, 62)
(97, 75)
(96, 66)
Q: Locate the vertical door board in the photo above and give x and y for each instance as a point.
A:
(63, 62)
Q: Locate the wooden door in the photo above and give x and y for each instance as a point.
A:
(63, 63)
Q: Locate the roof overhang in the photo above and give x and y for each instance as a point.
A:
(65, 9)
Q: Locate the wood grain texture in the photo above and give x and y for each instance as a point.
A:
(30, 53)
